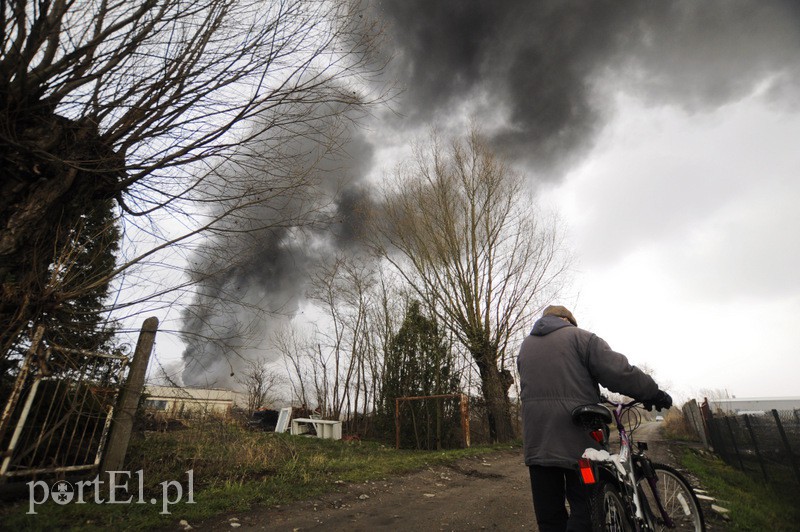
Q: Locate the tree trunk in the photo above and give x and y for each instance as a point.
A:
(495, 393)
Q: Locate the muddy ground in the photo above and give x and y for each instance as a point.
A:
(490, 492)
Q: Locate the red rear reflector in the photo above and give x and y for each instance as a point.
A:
(587, 471)
(598, 436)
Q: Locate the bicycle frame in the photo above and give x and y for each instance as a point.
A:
(626, 468)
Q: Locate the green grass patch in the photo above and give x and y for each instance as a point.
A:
(753, 505)
(233, 470)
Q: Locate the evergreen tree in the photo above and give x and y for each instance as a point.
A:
(419, 363)
(73, 284)
(69, 295)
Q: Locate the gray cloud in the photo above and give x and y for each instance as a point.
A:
(541, 63)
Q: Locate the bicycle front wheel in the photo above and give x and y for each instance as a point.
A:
(677, 498)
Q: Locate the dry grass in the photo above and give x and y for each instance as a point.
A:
(218, 452)
(677, 427)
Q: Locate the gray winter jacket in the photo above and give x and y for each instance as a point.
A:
(560, 367)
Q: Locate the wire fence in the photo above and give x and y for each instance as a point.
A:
(765, 445)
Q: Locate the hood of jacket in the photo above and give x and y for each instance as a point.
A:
(547, 324)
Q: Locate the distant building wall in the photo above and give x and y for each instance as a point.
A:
(175, 401)
(753, 404)
(240, 400)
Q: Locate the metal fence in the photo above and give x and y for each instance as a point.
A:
(432, 422)
(763, 445)
(57, 414)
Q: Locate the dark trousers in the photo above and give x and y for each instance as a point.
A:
(549, 486)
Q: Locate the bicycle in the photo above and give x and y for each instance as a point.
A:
(630, 492)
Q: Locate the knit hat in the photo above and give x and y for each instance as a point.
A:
(561, 312)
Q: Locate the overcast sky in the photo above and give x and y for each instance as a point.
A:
(685, 227)
(664, 133)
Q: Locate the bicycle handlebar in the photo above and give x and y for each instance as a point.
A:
(630, 404)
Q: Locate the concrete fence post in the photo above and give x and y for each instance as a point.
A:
(128, 400)
(692, 411)
(701, 426)
(710, 427)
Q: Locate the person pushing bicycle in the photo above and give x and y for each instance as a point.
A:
(560, 368)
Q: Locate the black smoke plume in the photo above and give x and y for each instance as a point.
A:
(288, 206)
(541, 73)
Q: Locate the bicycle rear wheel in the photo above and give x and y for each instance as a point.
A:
(608, 509)
(676, 496)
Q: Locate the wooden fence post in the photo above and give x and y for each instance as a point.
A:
(397, 422)
(733, 440)
(788, 448)
(755, 446)
(128, 400)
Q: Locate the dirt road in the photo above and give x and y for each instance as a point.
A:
(490, 492)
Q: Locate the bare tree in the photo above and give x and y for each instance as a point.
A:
(460, 229)
(259, 383)
(714, 393)
(296, 352)
(343, 291)
(142, 101)
(385, 318)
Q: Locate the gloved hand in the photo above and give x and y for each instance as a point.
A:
(661, 401)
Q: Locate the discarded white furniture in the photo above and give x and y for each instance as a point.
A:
(327, 429)
(283, 420)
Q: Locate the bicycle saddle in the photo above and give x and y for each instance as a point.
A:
(591, 416)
